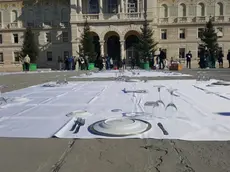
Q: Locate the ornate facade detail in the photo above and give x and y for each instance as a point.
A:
(110, 29)
(130, 28)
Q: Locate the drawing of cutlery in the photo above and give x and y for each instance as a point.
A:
(75, 124)
(81, 122)
(160, 125)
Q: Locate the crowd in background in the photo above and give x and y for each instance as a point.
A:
(156, 61)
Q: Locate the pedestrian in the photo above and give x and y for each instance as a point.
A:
(188, 59)
(27, 62)
(111, 63)
(60, 61)
(228, 58)
(100, 63)
(220, 59)
(66, 62)
(123, 65)
(162, 57)
(133, 62)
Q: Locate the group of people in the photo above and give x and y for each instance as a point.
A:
(207, 59)
(73, 63)
(108, 63)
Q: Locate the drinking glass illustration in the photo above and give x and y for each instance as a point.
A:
(2, 99)
(171, 104)
(150, 108)
(203, 76)
(198, 76)
(159, 101)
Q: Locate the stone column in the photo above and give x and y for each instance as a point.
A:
(100, 9)
(80, 6)
(122, 6)
(143, 6)
(126, 6)
(100, 6)
(138, 6)
(122, 44)
(102, 48)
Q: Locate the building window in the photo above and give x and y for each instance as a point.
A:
(182, 53)
(200, 32)
(17, 57)
(65, 37)
(112, 6)
(49, 56)
(48, 37)
(66, 54)
(15, 38)
(163, 33)
(0, 38)
(182, 33)
(1, 57)
(93, 7)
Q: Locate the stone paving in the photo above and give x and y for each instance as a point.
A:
(125, 155)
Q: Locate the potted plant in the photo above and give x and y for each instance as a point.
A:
(146, 45)
(87, 47)
(30, 48)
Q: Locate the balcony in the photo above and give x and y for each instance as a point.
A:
(47, 24)
(200, 19)
(219, 18)
(182, 19)
(164, 20)
(14, 25)
(64, 24)
(90, 16)
(108, 16)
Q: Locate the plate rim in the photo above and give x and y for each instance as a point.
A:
(98, 133)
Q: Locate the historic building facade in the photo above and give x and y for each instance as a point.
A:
(115, 25)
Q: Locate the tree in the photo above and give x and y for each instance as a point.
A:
(29, 45)
(146, 45)
(209, 41)
(87, 44)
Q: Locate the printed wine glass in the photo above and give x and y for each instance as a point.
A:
(3, 100)
(150, 108)
(171, 104)
(159, 101)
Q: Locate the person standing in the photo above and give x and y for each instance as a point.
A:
(220, 59)
(162, 57)
(228, 58)
(123, 64)
(132, 62)
(188, 59)
(66, 62)
(27, 62)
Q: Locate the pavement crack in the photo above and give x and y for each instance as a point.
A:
(57, 166)
(160, 159)
(183, 159)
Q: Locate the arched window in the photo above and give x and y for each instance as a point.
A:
(200, 9)
(164, 11)
(14, 16)
(93, 6)
(46, 16)
(182, 10)
(64, 15)
(219, 9)
(30, 16)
